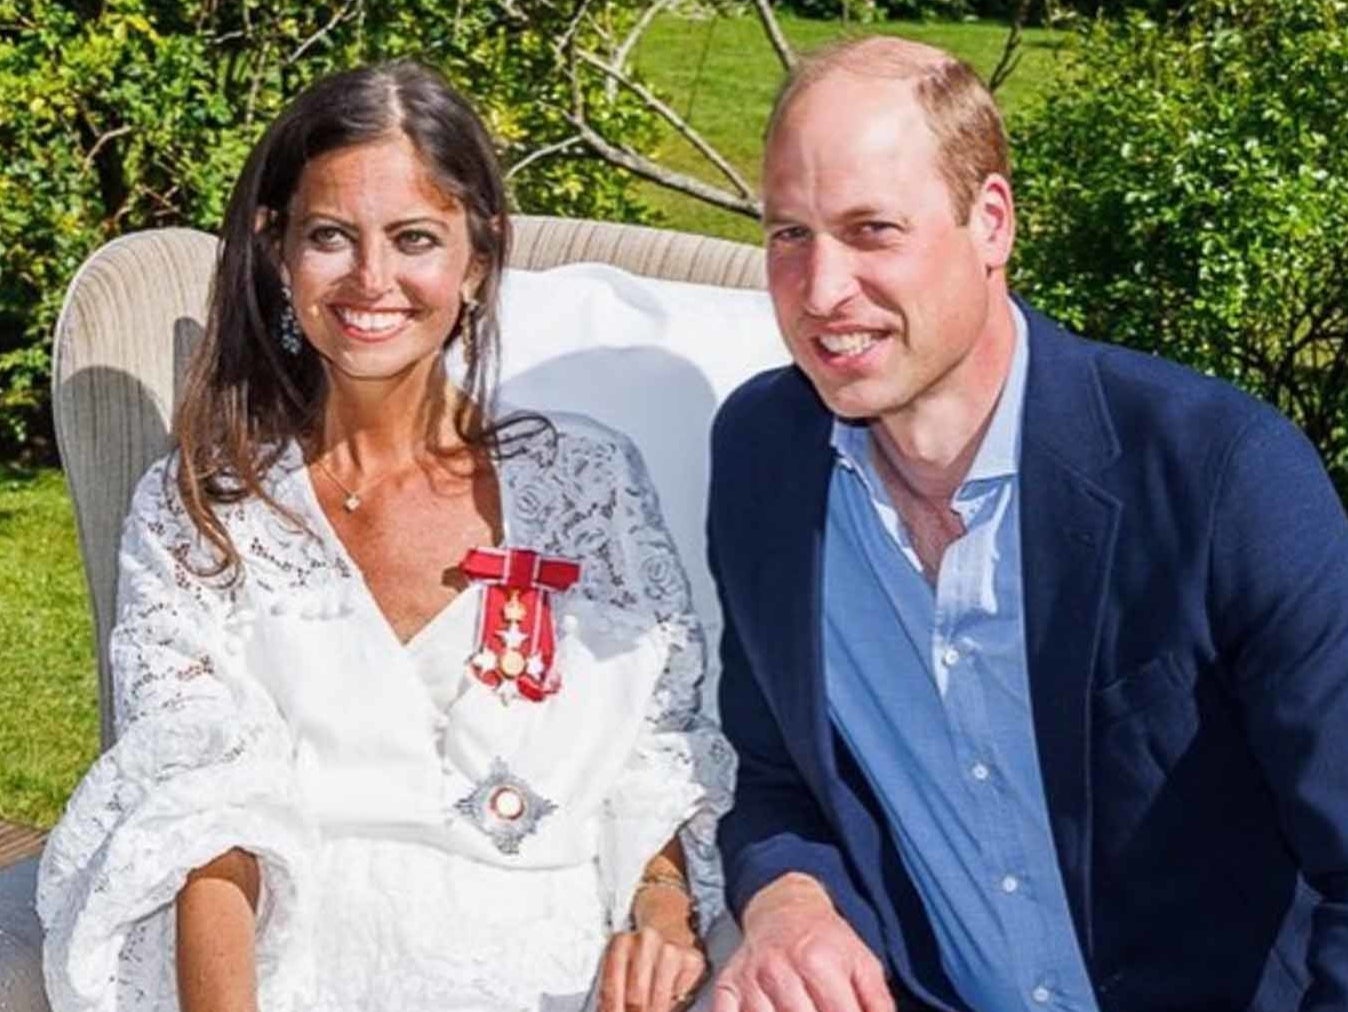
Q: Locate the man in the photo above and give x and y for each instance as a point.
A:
(1036, 650)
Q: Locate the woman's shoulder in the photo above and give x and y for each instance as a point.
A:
(158, 512)
(572, 426)
(571, 440)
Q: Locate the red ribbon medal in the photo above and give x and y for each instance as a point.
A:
(516, 640)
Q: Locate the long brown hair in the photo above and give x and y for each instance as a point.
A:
(245, 398)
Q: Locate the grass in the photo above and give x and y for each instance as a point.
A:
(720, 74)
(48, 684)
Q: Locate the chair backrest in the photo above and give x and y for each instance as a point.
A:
(137, 307)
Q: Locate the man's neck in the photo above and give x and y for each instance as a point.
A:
(932, 442)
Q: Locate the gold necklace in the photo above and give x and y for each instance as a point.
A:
(352, 496)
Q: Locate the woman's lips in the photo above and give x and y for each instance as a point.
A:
(371, 324)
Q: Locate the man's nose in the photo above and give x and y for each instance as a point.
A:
(830, 279)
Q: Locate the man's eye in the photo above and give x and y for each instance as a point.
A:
(877, 233)
(788, 235)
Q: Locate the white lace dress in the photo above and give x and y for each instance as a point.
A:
(281, 715)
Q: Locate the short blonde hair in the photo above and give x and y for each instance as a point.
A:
(959, 109)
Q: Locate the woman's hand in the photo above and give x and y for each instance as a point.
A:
(647, 970)
(658, 966)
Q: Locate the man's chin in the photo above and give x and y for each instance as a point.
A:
(856, 405)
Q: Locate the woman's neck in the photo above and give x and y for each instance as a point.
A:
(372, 427)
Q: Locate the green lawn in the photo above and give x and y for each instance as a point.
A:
(48, 690)
(720, 74)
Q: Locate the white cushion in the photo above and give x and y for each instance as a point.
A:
(650, 358)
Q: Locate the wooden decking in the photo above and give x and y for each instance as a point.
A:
(18, 842)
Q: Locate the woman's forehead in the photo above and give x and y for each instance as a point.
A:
(384, 178)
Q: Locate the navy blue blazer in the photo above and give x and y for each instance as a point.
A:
(1186, 609)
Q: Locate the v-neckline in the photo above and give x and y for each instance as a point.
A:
(329, 534)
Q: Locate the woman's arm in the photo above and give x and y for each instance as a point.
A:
(656, 966)
(217, 909)
(663, 900)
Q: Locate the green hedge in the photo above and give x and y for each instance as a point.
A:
(120, 115)
(1185, 191)
(1032, 11)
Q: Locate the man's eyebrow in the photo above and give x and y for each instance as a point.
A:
(873, 212)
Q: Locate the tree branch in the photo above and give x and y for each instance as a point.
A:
(640, 165)
(103, 139)
(624, 50)
(543, 152)
(343, 13)
(673, 119)
(773, 30)
(1010, 58)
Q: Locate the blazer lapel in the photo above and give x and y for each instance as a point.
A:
(789, 578)
(1069, 524)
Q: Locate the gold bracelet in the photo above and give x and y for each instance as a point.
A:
(665, 879)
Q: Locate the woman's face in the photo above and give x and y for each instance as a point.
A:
(378, 260)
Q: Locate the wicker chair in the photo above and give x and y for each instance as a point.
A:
(131, 315)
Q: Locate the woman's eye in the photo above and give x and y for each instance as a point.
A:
(326, 236)
(415, 240)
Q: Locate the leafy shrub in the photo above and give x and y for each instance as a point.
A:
(1185, 191)
(120, 115)
(1032, 11)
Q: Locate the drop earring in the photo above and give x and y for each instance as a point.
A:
(290, 337)
(468, 325)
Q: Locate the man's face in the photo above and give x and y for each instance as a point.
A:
(881, 295)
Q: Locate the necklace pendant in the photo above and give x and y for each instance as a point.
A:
(351, 503)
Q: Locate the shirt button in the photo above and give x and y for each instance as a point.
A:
(950, 656)
(1041, 995)
(1010, 884)
(979, 772)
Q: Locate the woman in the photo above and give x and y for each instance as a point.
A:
(406, 696)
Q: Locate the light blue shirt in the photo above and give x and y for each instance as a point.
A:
(930, 689)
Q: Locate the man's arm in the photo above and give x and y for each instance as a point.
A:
(1280, 615)
(786, 878)
(776, 827)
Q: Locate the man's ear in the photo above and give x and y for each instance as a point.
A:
(992, 217)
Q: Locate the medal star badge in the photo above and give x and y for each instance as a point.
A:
(505, 808)
(516, 641)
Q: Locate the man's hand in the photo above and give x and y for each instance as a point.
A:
(799, 955)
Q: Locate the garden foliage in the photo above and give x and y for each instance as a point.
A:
(1029, 11)
(120, 115)
(1185, 191)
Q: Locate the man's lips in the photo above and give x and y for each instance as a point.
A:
(847, 343)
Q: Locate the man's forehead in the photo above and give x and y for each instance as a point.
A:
(848, 147)
(847, 114)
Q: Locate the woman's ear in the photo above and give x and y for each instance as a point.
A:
(268, 227)
(472, 282)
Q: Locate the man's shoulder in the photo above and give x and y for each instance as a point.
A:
(1149, 393)
(764, 401)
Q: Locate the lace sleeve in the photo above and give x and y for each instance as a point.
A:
(202, 764)
(681, 774)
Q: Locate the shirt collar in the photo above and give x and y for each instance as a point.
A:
(999, 453)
